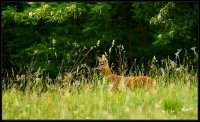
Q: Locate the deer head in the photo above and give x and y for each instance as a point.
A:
(103, 65)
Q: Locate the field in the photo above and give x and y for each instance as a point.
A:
(174, 97)
(175, 100)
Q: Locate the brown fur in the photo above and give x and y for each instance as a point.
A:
(116, 80)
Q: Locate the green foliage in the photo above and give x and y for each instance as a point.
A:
(64, 33)
(176, 21)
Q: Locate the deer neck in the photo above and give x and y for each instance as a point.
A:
(108, 71)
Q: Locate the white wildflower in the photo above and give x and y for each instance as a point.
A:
(122, 47)
(113, 42)
(30, 14)
(84, 48)
(53, 41)
(30, 3)
(98, 42)
(35, 51)
(160, 36)
(177, 55)
(159, 17)
(106, 54)
(179, 50)
(154, 59)
(110, 50)
(193, 48)
(75, 44)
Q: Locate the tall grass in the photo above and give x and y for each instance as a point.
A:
(35, 96)
(175, 101)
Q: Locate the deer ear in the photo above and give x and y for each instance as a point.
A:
(104, 57)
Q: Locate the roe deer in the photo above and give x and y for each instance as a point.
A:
(117, 80)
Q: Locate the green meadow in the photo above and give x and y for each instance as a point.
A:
(174, 97)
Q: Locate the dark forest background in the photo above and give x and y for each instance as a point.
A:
(59, 36)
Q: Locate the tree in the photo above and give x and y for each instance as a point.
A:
(58, 36)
